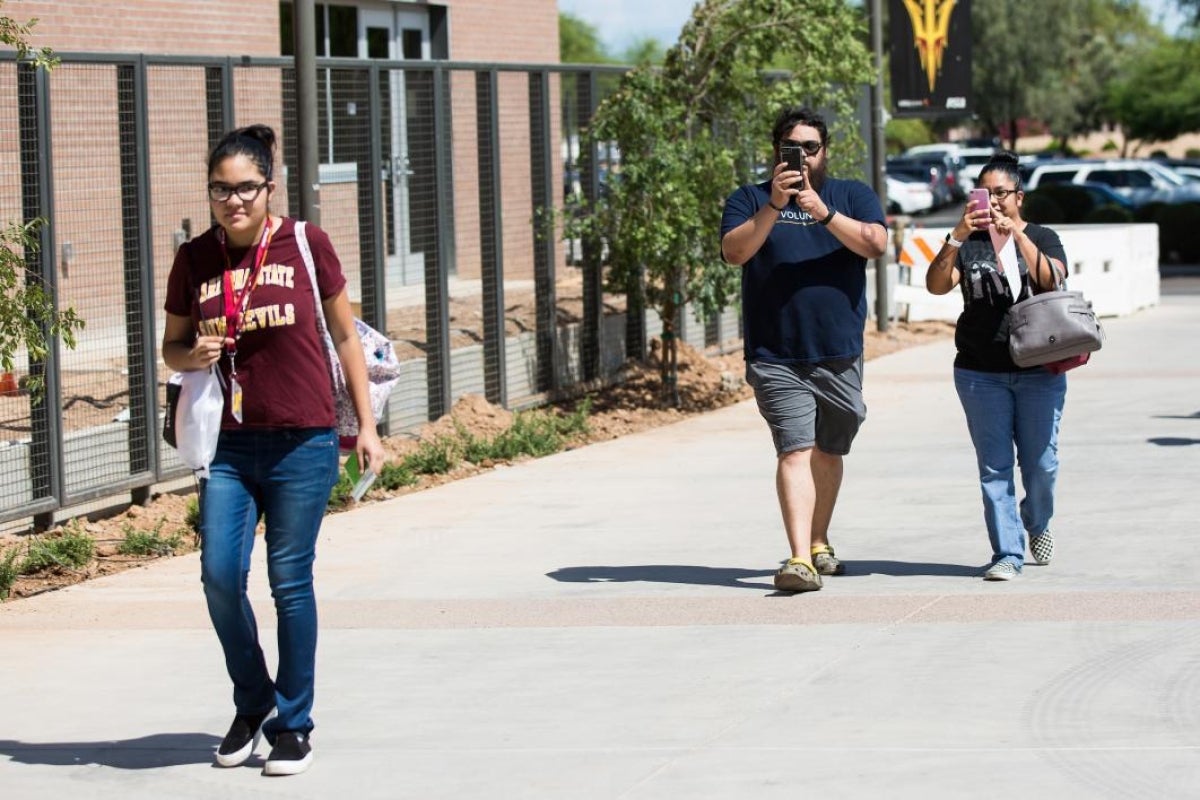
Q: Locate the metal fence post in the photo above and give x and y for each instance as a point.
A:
(437, 280)
(593, 275)
(491, 235)
(136, 223)
(541, 176)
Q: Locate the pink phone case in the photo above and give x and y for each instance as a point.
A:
(980, 200)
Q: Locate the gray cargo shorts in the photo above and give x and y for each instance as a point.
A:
(810, 404)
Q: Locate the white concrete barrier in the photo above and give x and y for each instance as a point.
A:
(1115, 266)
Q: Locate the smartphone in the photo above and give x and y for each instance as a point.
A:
(363, 484)
(794, 158)
(981, 200)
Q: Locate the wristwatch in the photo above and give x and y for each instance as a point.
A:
(955, 243)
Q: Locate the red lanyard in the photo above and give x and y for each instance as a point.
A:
(237, 302)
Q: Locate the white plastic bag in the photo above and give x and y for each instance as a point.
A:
(198, 418)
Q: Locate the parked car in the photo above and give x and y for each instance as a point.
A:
(949, 155)
(933, 172)
(973, 160)
(1141, 180)
(1186, 168)
(907, 195)
(1098, 195)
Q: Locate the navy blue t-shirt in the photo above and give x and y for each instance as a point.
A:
(804, 294)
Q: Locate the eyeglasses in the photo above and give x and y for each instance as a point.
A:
(246, 192)
(1002, 194)
(810, 148)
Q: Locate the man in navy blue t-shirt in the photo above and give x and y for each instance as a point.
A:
(803, 240)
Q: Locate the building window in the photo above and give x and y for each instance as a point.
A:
(337, 30)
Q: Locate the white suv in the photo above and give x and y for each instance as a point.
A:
(968, 160)
(1142, 181)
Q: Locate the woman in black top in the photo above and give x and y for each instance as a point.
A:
(1007, 407)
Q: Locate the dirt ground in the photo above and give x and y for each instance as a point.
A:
(706, 382)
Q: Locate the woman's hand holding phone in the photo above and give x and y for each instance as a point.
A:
(979, 209)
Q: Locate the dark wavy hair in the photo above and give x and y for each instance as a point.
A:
(255, 142)
(1004, 161)
(791, 117)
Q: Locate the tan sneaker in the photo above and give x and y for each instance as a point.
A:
(825, 562)
(797, 575)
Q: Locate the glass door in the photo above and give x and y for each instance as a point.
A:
(394, 33)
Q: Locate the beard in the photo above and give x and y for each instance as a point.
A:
(816, 175)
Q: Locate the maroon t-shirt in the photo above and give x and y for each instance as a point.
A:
(281, 361)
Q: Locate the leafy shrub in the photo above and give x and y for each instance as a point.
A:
(1074, 202)
(72, 549)
(1179, 232)
(395, 476)
(1109, 213)
(9, 571)
(149, 543)
(1148, 212)
(340, 496)
(1042, 209)
(433, 458)
(192, 515)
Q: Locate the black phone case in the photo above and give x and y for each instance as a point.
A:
(794, 158)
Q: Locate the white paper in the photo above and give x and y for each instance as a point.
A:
(1006, 258)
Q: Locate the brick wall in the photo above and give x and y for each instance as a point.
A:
(185, 27)
(514, 30)
(480, 30)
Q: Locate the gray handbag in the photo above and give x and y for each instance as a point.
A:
(1053, 327)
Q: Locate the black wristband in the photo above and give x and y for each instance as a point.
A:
(772, 205)
(832, 214)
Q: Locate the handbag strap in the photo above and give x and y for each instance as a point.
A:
(311, 267)
(1060, 280)
(322, 329)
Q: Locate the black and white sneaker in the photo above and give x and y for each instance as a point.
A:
(238, 745)
(291, 755)
(1041, 547)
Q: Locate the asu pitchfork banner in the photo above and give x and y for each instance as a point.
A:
(930, 42)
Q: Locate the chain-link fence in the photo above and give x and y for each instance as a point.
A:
(435, 179)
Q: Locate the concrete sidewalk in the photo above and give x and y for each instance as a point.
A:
(601, 624)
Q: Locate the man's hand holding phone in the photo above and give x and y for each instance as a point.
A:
(793, 157)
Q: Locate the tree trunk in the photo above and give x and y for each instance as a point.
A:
(668, 368)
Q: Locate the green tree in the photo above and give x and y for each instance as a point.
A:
(646, 50)
(1190, 8)
(1073, 98)
(1157, 96)
(579, 42)
(690, 131)
(1020, 50)
(28, 318)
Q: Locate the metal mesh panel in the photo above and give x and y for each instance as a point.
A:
(181, 101)
(470, 198)
(257, 100)
(88, 231)
(412, 246)
(20, 188)
(435, 186)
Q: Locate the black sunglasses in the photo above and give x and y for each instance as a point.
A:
(810, 147)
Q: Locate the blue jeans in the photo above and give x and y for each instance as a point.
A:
(1005, 409)
(285, 476)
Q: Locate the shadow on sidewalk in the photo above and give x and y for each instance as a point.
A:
(146, 752)
(663, 573)
(909, 568)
